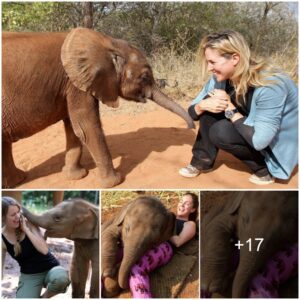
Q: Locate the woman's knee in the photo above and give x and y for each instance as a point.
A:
(30, 285)
(219, 133)
(57, 280)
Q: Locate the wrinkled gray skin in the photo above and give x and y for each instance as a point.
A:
(48, 77)
(272, 216)
(140, 225)
(78, 220)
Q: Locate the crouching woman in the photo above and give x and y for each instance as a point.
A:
(25, 243)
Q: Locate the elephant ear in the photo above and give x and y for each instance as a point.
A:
(236, 202)
(93, 63)
(170, 227)
(87, 226)
(120, 217)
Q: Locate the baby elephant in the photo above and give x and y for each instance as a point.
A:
(78, 220)
(54, 76)
(140, 225)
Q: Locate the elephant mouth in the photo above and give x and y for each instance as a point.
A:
(52, 233)
(140, 99)
(143, 100)
(138, 96)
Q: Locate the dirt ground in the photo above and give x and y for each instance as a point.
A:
(148, 145)
(190, 288)
(62, 249)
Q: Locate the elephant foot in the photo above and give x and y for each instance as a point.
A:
(94, 292)
(13, 178)
(74, 173)
(110, 288)
(111, 180)
(76, 294)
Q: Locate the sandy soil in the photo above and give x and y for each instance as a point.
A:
(148, 145)
(190, 287)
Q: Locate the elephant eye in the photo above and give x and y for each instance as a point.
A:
(57, 218)
(145, 78)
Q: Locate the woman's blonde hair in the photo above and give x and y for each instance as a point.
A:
(6, 203)
(249, 71)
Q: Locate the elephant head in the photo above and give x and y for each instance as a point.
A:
(271, 216)
(108, 68)
(141, 225)
(72, 219)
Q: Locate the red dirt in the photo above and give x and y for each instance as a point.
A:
(148, 145)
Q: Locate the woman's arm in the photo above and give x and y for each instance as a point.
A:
(205, 102)
(3, 255)
(187, 233)
(35, 236)
(270, 103)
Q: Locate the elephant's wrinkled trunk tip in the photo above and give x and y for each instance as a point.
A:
(38, 220)
(164, 101)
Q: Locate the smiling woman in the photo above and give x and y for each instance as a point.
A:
(248, 108)
(24, 242)
(185, 230)
(141, 238)
(187, 211)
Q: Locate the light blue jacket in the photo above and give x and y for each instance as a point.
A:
(274, 116)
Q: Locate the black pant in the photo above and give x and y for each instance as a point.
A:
(216, 132)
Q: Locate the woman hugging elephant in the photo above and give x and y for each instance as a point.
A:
(141, 238)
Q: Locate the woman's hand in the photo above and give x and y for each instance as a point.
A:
(221, 94)
(34, 234)
(24, 224)
(216, 103)
(187, 233)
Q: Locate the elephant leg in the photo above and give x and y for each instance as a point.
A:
(94, 289)
(72, 168)
(109, 260)
(84, 115)
(79, 271)
(11, 175)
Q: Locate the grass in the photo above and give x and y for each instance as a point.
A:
(182, 76)
(112, 199)
(181, 72)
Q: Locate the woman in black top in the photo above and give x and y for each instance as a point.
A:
(187, 212)
(24, 242)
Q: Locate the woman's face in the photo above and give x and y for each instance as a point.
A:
(185, 206)
(12, 219)
(221, 67)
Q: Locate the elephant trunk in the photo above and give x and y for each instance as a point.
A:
(38, 220)
(250, 263)
(109, 253)
(217, 249)
(132, 253)
(164, 101)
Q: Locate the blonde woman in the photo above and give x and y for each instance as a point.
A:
(24, 242)
(247, 108)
